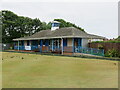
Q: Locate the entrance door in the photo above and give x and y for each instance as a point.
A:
(56, 44)
(77, 44)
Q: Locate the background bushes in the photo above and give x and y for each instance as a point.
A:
(112, 53)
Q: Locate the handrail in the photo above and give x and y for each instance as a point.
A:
(75, 49)
(87, 50)
(23, 47)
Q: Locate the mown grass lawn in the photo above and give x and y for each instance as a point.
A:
(42, 71)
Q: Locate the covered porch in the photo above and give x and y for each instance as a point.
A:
(49, 45)
(67, 46)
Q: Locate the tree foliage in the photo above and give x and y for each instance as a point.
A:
(112, 53)
(64, 23)
(118, 38)
(14, 26)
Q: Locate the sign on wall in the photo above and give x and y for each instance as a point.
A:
(27, 47)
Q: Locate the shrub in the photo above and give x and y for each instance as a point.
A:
(100, 46)
(11, 48)
(112, 53)
(110, 41)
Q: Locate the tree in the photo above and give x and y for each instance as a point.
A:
(118, 39)
(15, 26)
(63, 23)
(0, 27)
(37, 25)
(9, 26)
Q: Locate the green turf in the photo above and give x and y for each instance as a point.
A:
(42, 71)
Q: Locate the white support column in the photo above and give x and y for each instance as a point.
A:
(62, 45)
(52, 44)
(30, 44)
(58, 44)
(73, 44)
(18, 45)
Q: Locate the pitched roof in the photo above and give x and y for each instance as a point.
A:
(67, 32)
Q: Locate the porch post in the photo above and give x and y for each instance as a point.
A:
(23, 45)
(52, 44)
(18, 45)
(62, 45)
(73, 45)
(79, 42)
(30, 44)
(58, 43)
(41, 43)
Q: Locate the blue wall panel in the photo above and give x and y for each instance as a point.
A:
(65, 42)
(47, 42)
(41, 44)
(22, 43)
(79, 42)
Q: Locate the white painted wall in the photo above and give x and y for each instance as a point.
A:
(54, 28)
(84, 42)
(90, 40)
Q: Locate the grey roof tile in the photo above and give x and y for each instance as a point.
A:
(67, 32)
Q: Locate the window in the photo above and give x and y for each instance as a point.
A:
(34, 42)
(21, 43)
(28, 43)
(55, 25)
(43, 42)
(46, 42)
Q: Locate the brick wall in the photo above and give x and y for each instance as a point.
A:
(106, 46)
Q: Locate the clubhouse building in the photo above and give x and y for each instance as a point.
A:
(68, 40)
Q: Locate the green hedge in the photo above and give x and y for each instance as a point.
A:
(112, 53)
(106, 42)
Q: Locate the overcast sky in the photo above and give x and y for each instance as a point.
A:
(100, 18)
